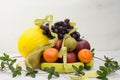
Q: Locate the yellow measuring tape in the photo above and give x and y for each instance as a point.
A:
(88, 75)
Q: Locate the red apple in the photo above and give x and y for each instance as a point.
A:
(58, 44)
(71, 57)
(83, 44)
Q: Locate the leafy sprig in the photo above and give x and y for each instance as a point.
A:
(31, 72)
(103, 72)
(7, 62)
(78, 70)
(110, 66)
(51, 72)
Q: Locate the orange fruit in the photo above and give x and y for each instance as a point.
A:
(50, 54)
(85, 55)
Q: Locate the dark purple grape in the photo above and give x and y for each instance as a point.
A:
(63, 32)
(65, 24)
(58, 23)
(55, 30)
(63, 27)
(74, 36)
(78, 34)
(60, 28)
(45, 28)
(70, 27)
(45, 32)
(49, 35)
(42, 27)
(67, 20)
(60, 36)
(78, 39)
(68, 30)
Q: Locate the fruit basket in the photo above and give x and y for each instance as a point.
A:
(57, 45)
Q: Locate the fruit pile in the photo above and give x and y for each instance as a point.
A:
(64, 46)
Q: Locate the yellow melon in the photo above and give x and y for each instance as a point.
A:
(30, 39)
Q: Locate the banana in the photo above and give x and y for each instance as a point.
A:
(59, 67)
(89, 65)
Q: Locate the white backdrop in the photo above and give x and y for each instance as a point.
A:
(97, 20)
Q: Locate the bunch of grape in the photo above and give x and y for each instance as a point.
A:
(61, 28)
(46, 30)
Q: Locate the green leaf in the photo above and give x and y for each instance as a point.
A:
(98, 77)
(93, 49)
(19, 68)
(11, 68)
(14, 74)
(106, 64)
(19, 72)
(49, 76)
(104, 69)
(102, 73)
(2, 65)
(93, 54)
(81, 68)
(31, 72)
(78, 71)
(2, 58)
(51, 72)
(12, 62)
(48, 70)
(105, 78)
(99, 73)
(6, 56)
(29, 69)
(115, 63)
(107, 59)
(75, 68)
(32, 75)
(83, 73)
(27, 74)
(56, 74)
(35, 71)
(52, 68)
